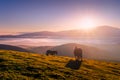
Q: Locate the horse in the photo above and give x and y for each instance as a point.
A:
(49, 52)
(78, 53)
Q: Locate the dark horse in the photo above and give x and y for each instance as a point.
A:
(78, 53)
(49, 52)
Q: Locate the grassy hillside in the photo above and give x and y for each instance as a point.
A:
(27, 66)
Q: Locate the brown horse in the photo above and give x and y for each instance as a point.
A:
(78, 53)
(49, 52)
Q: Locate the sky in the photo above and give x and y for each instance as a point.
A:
(56, 15)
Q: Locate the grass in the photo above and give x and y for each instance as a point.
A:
(28, 66)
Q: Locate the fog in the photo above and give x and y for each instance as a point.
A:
(53, 42)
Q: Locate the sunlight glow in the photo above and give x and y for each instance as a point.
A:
(87, 23)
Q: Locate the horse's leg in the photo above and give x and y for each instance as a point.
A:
(75, 57)
(78, 57)
(81, 57)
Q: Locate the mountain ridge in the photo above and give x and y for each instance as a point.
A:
(101, 31)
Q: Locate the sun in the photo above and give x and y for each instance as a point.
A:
(87, 23)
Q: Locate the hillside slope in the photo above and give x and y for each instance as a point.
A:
(88, 51)
(27, 66)
(40, 49)
(11, 47)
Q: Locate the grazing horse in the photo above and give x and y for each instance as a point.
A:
(78, 53)
(49, 52)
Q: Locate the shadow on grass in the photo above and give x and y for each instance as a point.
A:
(74, 64)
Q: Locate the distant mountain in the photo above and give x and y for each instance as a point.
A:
(98, 32)
(106, 31)
(42, 34)
(88, 51)
(10, 47)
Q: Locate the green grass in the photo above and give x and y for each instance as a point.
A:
(27, 66)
